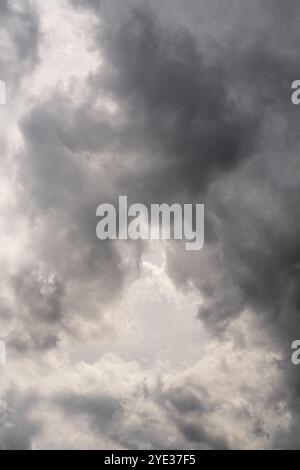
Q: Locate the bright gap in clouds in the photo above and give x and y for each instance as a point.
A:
(157, 323)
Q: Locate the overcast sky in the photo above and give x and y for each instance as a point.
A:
(128, 345)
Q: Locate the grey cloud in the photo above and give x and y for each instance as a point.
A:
(61, 188)
(20, 41)
(17, 428)
(108, 416)
(177, 124)
(203, 119)
(178, 114)
(39, 305)
(171, 96)
(211, 405)
(187, 410)
(103, 411)
(195, 434)
(186, 401)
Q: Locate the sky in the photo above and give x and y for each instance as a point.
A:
(123, 344)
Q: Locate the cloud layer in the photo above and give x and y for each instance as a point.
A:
(163, 103)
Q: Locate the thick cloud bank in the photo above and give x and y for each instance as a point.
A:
(145, 345)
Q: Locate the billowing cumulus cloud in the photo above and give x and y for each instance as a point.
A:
(139, 345)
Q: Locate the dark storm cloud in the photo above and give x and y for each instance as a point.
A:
(203, 119)
(195, 119)
(167, 94)
(219, 126)
(103, 412)
(17, 429)
(177, 130)
(208, 126)
(178, 114)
